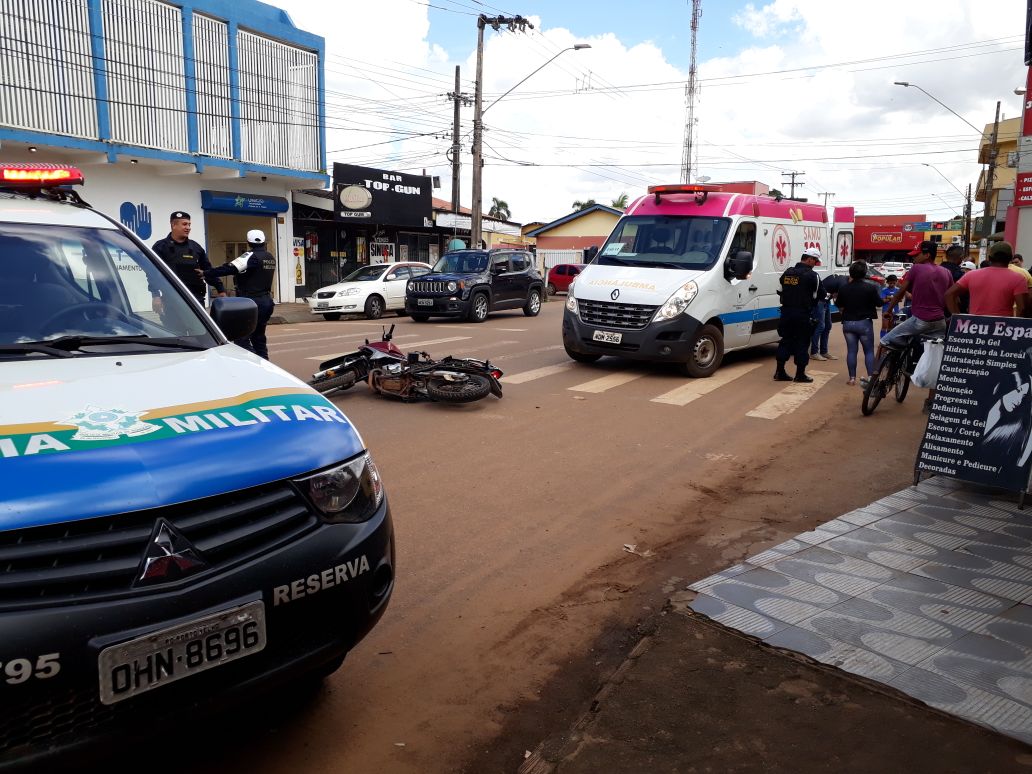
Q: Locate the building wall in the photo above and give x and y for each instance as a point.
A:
(596, 225)
(569, 242)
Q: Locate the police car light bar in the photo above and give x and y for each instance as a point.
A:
(39, 175)
(700, 191)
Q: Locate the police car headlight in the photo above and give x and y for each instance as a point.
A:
(346, 493)
(678, 302)
(348, 292)
(453, 286)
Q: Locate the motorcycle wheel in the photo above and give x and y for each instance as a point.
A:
(473, 387)
(342, 382)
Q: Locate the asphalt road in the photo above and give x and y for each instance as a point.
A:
(512, 518)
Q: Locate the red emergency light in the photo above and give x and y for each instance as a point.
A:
(39, 175)
(700, 191)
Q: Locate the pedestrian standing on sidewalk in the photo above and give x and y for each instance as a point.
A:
(951, 261)
(830, 285)
(859, 302)
(992, 291)
(800, 290)
(184, 257)
(254, 271)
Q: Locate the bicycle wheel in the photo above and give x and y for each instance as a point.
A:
(878, 385)
(901, 384)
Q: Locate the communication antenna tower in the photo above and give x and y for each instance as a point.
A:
(691, 94)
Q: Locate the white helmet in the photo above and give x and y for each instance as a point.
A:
(255, 237)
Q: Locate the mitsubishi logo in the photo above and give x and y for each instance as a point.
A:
(615, 294)
(169, 556)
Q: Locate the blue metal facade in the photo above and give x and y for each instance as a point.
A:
(239, 15)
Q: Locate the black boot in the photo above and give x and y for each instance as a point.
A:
(800, 375)
(781, 375)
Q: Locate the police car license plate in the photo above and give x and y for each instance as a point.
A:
(154, 660)
(607, 336)
(322, 304)
(424, 302)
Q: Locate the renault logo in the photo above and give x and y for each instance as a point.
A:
(169, 556)
(615, 294)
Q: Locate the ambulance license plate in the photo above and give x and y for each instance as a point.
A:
(424, 302)
(607, 336)
(153, 660)
(322, 304)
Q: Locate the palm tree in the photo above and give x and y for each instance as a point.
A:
(579, 205)
(499, 209)
(620, 202)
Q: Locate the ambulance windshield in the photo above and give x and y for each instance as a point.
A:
(665, 242)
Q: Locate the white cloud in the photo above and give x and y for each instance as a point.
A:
(761, 111)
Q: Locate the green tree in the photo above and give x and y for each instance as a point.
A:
(620, 202)
(579, 205)
(499, 209)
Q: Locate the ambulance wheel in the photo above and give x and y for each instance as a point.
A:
(707, 353)
(581, 357)
(332, 316)
(419, 317)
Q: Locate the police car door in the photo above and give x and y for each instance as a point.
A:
(743, 294)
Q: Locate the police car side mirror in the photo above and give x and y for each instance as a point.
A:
(236, 317)
(740, 265)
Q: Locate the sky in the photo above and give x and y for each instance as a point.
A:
(788, 85)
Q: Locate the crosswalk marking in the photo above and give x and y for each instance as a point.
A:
(408, 345)
(512, 330)
(696, 388)
(791, 397)
(537, 373)
(606, 382)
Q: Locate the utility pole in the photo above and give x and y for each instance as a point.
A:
(456, 149)
(496, 22)
(987, 195)
(826, 195)
(793, 184)
(967, 223)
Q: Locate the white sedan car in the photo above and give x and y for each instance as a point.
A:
(370, 290)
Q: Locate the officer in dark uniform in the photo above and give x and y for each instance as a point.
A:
(184, 257)
(254, 272)
(800, 291)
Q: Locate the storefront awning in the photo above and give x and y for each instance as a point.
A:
(243, 203)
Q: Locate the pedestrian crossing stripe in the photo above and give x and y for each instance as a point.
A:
(607, 382)
(537, 373)
(696, 388)
(791, 397)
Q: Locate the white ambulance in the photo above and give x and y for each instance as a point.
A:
(691, 272)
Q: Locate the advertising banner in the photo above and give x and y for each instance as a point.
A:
(1023, 190)
(980, 426)
(376, 196)
(298, 257)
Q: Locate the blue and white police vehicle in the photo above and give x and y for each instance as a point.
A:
(181, 522)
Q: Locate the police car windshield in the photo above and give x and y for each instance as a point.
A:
(462, 262)
(366, 273)
(665, 242)
(87, 285)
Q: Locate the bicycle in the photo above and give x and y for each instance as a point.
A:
(893, 372)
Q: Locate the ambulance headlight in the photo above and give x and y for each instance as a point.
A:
(350, 492)
(571, 302)
(678, 303)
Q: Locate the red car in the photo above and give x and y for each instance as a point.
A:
(561, 275)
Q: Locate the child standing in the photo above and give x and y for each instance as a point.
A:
(886, 293)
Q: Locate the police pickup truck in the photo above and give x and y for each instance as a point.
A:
(180, 521)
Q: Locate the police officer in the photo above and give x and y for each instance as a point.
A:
(185, 257)
(254, 271)
(800, 292)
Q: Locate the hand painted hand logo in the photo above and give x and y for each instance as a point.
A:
(137, 218)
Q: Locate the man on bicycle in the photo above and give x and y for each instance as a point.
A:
(927, 285)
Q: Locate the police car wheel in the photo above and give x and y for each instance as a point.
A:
(707, 351)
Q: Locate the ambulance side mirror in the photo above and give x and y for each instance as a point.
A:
(236, 317)
(740, 265)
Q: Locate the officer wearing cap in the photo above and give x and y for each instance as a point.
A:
(254, 272)
(185, 257)
(800, 292)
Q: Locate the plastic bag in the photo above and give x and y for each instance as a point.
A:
(926, 373)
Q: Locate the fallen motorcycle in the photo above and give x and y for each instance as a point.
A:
(389, 371)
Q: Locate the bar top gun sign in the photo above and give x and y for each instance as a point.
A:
(980, 426)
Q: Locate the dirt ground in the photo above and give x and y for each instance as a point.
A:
(701, 698)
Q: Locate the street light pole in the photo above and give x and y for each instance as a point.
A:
(958, 115)
(477, 219)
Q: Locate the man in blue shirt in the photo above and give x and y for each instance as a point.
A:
(887, 293)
